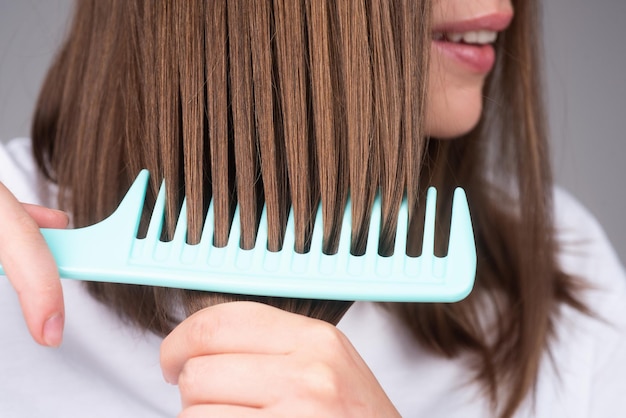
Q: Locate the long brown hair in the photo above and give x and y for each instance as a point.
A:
(291, 103)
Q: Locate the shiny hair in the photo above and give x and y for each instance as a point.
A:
(290, 103)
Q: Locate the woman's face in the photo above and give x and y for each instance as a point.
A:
(462, 56)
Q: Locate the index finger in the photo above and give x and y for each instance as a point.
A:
(31, 269)
(234, 327)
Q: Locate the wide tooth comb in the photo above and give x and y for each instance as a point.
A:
(110, 251)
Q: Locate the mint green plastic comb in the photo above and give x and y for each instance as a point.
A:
(110, 251)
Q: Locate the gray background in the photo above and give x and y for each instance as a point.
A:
(586, 88)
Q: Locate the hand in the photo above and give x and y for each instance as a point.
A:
(247, 359)
(30, 267)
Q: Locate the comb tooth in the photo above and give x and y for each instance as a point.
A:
(428, 244)
(180, 234)
(218, 254)
(262, 234)
(260, 244)
(461, 247)
(153, 235)
(131, 207)
(368, 261)
(373, 233)
(227, 254)
(206, 250)
(399, 248)
(242, 257)
(290, 241)
(206, 239)
(156, 219)
(317, 241)
(346, 230)
(298, 261)
(373, 262)
(345, 236)
(234, 236)
(402, 229)
(269, 260)
(327, 263)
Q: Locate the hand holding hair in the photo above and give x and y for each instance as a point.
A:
(251, 359)
(30, 266)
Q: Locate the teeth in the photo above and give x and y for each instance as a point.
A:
(479, 37)
(455, 37)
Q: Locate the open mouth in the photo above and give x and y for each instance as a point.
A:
(472, 49)
(475, 37)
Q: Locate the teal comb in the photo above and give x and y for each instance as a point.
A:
(110, 251)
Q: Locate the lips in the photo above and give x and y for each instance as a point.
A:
(476, 58)
(469, 42)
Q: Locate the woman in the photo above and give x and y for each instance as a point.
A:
(291, 103)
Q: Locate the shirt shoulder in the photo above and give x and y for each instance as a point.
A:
(594, 343)
(584, 248)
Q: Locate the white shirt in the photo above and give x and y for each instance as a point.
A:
(106, 368)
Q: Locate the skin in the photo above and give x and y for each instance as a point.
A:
(30, 266)
(455, 101)
(246, 359)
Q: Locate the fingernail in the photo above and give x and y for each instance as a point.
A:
(53, 330)
(169, 380)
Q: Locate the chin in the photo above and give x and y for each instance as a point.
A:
(453, 115)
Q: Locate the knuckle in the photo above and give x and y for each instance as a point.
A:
(327, 335)
(189, 380)
(320, 380)
(202, 331)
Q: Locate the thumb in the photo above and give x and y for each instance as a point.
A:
(30, 267)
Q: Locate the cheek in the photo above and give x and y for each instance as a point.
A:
(454, 100)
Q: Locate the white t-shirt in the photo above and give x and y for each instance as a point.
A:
(106, 368)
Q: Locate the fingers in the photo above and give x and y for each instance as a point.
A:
(236, 327)
(30, 267)
(234, 379)
(46, 217)
(240, 355)
(263, 381)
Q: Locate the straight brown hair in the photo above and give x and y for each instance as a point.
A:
(291, 104)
